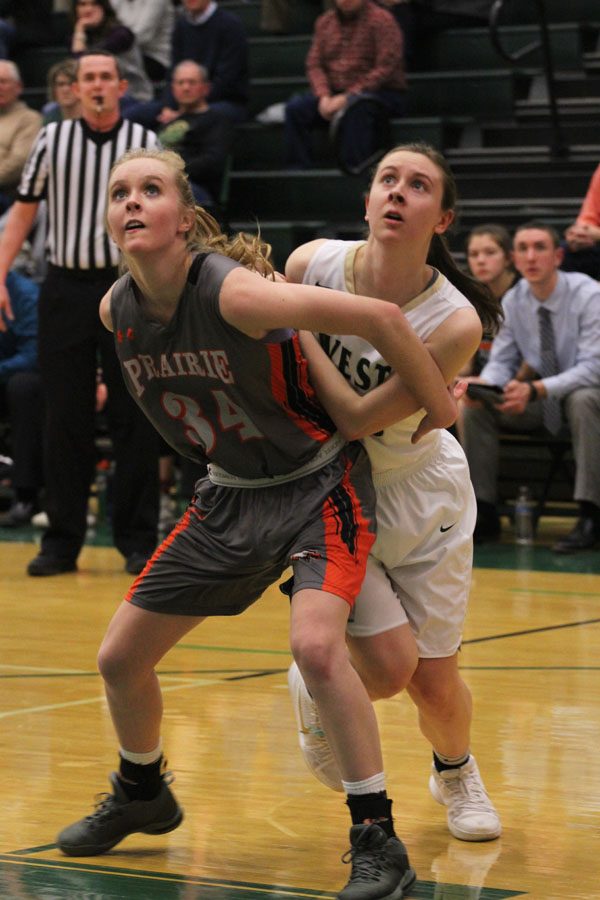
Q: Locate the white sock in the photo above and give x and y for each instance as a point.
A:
(373, 785)
(142, 759)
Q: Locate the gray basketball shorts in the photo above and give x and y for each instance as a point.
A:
(233, 542)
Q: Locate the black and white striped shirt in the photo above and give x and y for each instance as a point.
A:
(68, 166)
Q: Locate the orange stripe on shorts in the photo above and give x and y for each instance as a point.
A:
(348, 540)
(181, 526)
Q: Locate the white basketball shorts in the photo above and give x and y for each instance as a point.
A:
(419, 570)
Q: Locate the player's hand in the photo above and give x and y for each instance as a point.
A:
(457, 391)
(464, 383)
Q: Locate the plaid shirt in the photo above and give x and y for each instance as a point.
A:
(356, 56)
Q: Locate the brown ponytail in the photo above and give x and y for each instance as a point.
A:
(488, 308)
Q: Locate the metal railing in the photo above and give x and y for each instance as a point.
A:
(558, 145)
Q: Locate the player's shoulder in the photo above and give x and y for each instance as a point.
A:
(299, 259)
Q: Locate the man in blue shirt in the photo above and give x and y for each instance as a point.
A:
(552, 323)
(20, 398)
(216, 39)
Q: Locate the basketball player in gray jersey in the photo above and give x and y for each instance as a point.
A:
(205, 352)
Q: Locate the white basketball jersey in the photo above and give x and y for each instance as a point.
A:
(332, 266)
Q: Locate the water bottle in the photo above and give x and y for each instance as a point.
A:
(524, 516)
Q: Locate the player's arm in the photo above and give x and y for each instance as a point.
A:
(256, 306)
(105, 313)
(356, 415)
(298, 260)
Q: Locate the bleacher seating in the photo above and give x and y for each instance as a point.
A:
(490, 119)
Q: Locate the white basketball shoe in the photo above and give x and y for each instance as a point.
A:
(471, 814)
(315, 748)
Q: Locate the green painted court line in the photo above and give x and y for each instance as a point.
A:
(229, 674)
(80, 879)
(543, 591)
(528, 631)
(234, 649)
(91, 868)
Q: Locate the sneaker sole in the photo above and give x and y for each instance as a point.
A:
(408, 880)
(456, 832)
(98, 849)
(333, 783)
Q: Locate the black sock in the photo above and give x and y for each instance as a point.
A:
(373, 807)
(140, 782)
(443, 767)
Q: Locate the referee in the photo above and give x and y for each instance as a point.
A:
(69, 166)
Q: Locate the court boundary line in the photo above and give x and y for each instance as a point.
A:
(422, 889)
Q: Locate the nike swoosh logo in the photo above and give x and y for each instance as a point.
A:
(448, 527)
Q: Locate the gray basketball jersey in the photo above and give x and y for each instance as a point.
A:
(212, 392)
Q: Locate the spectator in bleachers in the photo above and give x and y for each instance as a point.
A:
(74, 157)
(582, 238)
(152, 24)
(18, 127)
(96, 27)
(489, 258)
(201, 135)
(216, 39)
(355, 67)
(21, 398)
(63, 102)
(552, 322)
(276, 17)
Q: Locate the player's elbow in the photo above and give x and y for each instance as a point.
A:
(351, 431)
(385, 320)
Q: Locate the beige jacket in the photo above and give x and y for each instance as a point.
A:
(18, 127)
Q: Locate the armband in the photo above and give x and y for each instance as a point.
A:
(533, 392)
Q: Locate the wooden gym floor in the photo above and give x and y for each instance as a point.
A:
(257, 825)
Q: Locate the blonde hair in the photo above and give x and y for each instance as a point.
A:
(206, 235)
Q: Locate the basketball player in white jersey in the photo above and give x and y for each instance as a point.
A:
(406, 628)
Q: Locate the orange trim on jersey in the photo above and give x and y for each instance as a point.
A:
(346, 566)
(181, 526)
(279, 390)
